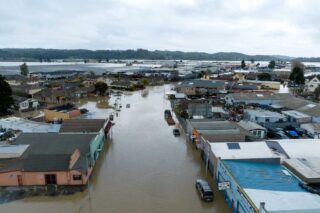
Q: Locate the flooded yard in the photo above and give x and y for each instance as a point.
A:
(143, 168)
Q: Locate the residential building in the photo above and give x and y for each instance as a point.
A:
(296, 116)
(264, 117)
(255, 98)
(51, 158)
(200, 130)
(313, 129)
(255, 130)
(257, 186)
(301, 105)
(61, 112)
(201, 87)
(312, 83)
(236, 150)
(200, 108)
(28, 126)
(28, 104)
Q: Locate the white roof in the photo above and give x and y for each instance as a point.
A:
(264, 113)
(301, 148)
(12, 151)
(28, 126)
(219, 110)
(248, 125)
(278, 201)
(180, 95)
(295, 114)
(248, 150)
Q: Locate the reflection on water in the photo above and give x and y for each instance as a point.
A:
(143, 168)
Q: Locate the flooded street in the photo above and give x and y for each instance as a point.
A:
(143, 168)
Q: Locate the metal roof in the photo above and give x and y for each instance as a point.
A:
(263, 176)
(49, 152)
(82, 125)
(202, 83)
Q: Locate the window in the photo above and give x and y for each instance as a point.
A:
(51, 179)
(77, 177)
(233, 145)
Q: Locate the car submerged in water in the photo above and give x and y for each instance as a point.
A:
(204, 190)
(176, 132)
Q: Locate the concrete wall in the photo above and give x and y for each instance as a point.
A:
(50, 115)
(38, 178)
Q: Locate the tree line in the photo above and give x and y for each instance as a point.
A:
(47, 55)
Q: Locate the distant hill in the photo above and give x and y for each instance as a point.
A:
(12, 54)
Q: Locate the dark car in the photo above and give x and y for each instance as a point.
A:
(301, 131)
(167, 113)
(280, 135)
(204, 190)
(176, 132)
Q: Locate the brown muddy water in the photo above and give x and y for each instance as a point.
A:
(143, 168)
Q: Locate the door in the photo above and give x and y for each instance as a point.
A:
(19, 180)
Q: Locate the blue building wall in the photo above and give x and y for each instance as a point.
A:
(235, 196)
(96, 146)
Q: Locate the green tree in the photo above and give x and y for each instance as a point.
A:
(145, 82)
(264, 76)
(316, 93)
(243, 64)
(201, 74)
(101, 88)
(297, 73)
(252, 61)
(24, 70)
(6, 100)
(272, 64)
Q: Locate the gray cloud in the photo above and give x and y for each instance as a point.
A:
(289, 27)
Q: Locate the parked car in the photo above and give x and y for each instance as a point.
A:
(280, 135)
(204, 190)
(176, 132)
(292, 133)
(301, 131)
(167, 113)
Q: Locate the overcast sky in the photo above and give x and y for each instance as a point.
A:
(286, 27)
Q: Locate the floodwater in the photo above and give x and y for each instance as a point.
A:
(143, 168)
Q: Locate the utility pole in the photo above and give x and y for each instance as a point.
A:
(88, 181)
(207, 156)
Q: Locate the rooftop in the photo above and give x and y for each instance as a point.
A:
(259, 96)
(242, 150)
(82, 125)
(301, 148)
(12, 151)
(27, 125)
(307, 169)
(274, 185)
(207, 124)
(264, 113)
(49, 152)
(304, 106)
(295, 114)
(248, 125)
(202, 83)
